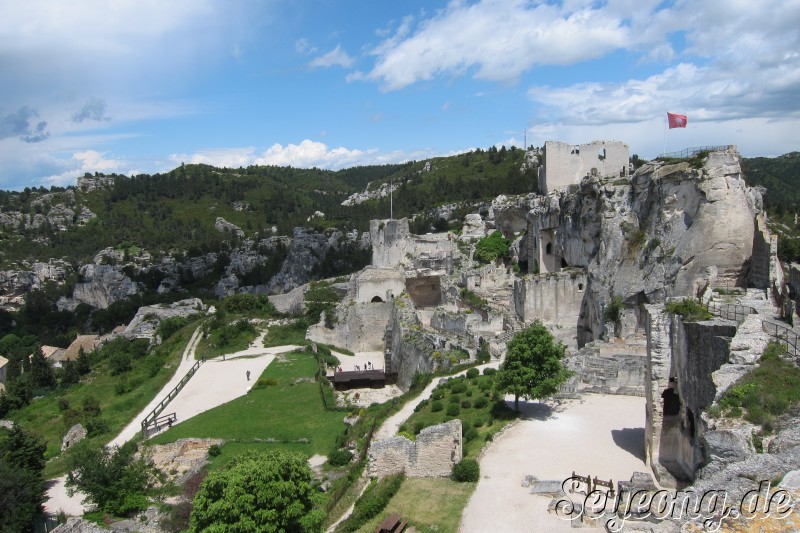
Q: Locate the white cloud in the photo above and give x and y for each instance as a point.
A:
(499, 39)
(310, 153)
(220, 157)
(335, 58)
(82, 162)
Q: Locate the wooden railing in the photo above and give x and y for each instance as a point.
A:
(150, 419)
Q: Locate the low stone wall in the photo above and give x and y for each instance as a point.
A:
(434, 453)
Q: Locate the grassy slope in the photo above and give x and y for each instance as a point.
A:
(287, 412)
(428, 504)
(44, 418)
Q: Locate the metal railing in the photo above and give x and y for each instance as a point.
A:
(731, 311)
(689, 152)
(783, 334)
(151, 418)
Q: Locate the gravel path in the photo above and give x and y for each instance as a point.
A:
(597, 435)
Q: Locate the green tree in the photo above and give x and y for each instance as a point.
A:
(21, 486)
(533, 367)
(42, 373)
(271, 491)
(82, 363)
(492, 247)
(112, 479)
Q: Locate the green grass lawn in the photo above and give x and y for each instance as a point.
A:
(294, 333)
(45, 416)
(208, 348)
(428, 504)
(290, 412)
(478, 423)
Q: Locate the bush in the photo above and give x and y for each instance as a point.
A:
(473, 373)
(481, 402)
(689, 310)
(468, 470)
(613, 311)
(478, 422)
(470, 434)
(437, 406)
(489, 371)
(466, 404)
(458, 388)
(340, 457)
(437, 394)
(214, 450)
(454, 398)
(420, 406)
(453, 409)
(373, 501)
(492, 247)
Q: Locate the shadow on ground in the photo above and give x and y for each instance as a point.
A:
(533, 410)
(631, 440)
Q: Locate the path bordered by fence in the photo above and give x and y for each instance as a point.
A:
(150, 420)
(689, 152)
(781, 333)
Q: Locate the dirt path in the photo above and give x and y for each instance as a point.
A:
(597, 435)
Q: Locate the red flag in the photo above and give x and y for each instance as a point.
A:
(676, 121)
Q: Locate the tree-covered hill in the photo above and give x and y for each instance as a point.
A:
(177, 210)
(781, 177)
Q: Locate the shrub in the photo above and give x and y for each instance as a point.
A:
(340, 457)
(468, 470)
(466, 404)
(458, 388)
(473, 373)
(689, 310)
(613, 311)
(214, 450)
(489, 371)
(418, 426)
(481, 402)
(492, 247)
(478, 422)
(436, 406)
(373, 501)
(470, 434)
(437, 394)
(421, 405)
(453, 409)
(454, 398)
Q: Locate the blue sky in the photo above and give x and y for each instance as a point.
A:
(135, 86)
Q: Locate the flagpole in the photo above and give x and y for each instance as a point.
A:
(665, 140)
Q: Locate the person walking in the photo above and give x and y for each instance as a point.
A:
(248, 375)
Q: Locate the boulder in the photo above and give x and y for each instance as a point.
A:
(75, 434)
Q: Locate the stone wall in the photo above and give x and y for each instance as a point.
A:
(555, 299)
(425, 291)
(611, 367)
(378, 284)
(359, 327)
(565, 164)
(434, 453)
(391, 240)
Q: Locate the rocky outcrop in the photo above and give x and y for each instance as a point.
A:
(644, 238)
(102, 285)
(144, 324)
(370, 194)
(222, 226)
(87, 182)
(15, 283)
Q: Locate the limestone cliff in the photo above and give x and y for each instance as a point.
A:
(669, 230)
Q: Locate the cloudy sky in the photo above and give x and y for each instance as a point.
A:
(135, 86)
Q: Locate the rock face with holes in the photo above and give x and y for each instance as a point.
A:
(667, 230)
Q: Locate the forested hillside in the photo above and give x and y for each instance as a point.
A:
(176, 211)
